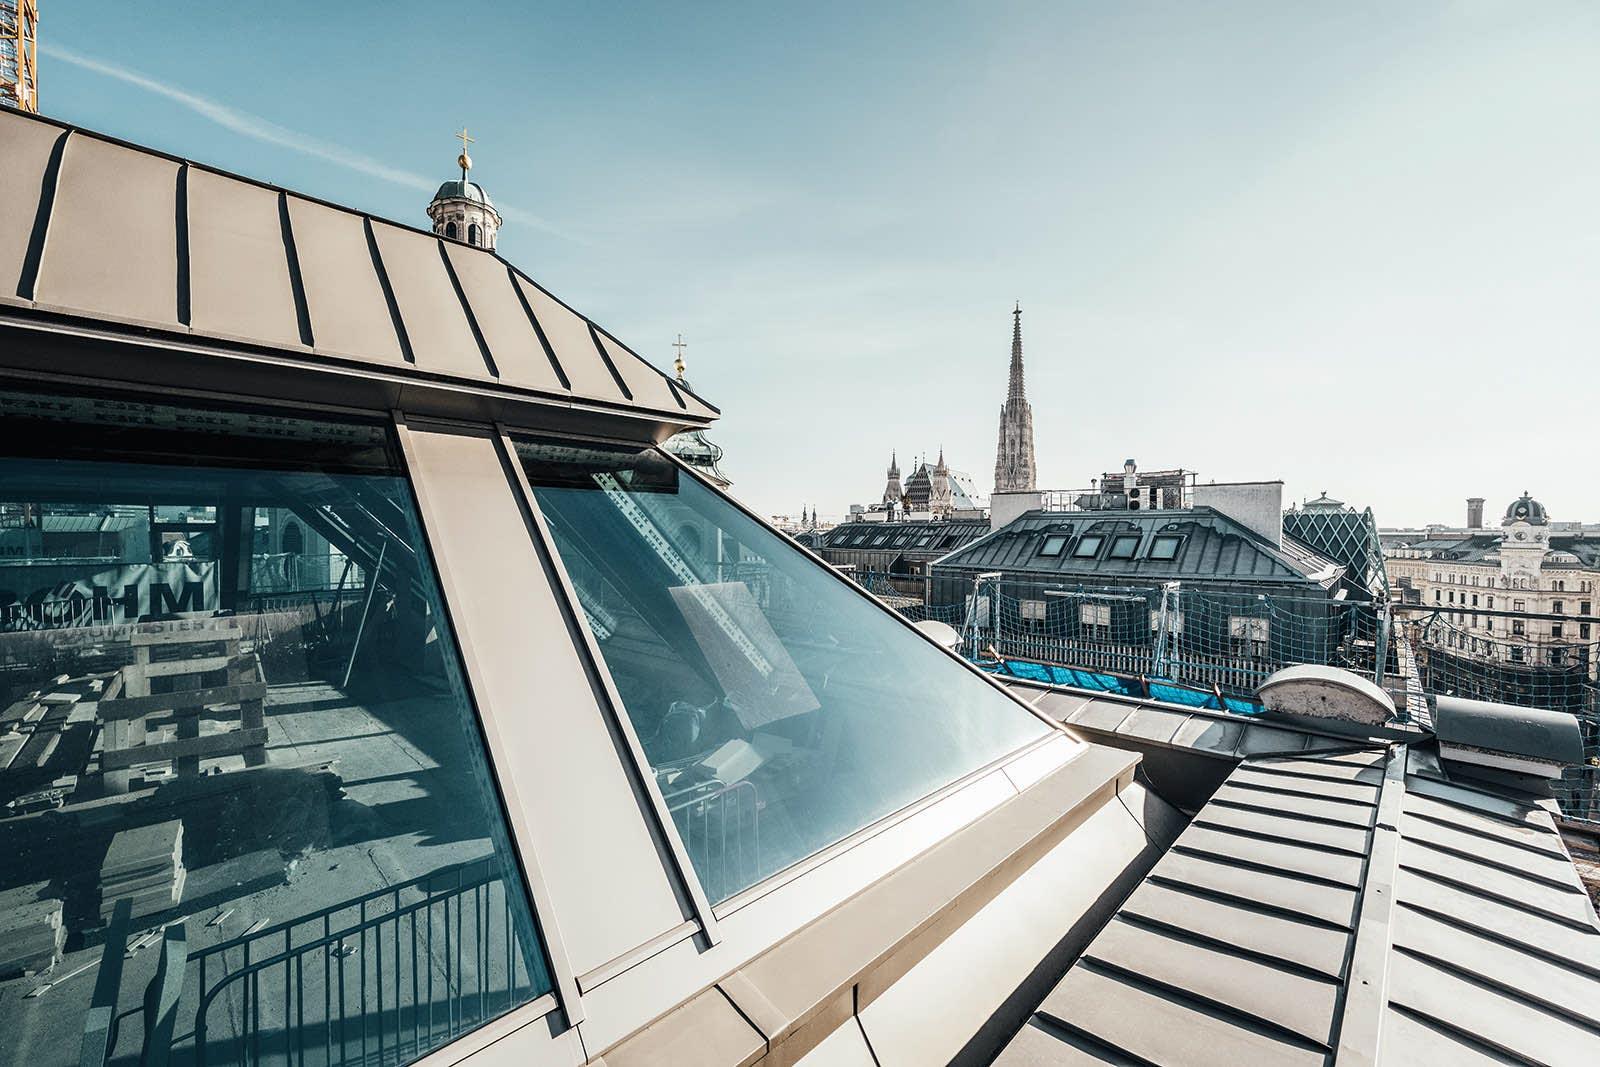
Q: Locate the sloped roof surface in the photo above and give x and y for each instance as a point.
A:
(905, 535)
(1213, 547)
(114, 233)
(1336, 908)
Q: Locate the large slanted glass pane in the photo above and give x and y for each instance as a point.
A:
(780, 710)
(244, 791)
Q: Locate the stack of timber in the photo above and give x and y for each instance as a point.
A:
(31, 933)
(145, 865)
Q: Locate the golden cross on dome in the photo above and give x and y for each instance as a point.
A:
(465, 140)
(678, 364)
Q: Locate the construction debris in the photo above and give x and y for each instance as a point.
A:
(31, 933)
(144, 864)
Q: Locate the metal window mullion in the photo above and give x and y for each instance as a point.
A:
(612, 701)
(544, 913)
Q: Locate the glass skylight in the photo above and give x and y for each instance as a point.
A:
(1124, 547)
(1165, 547)
(780, 709)
(1088, 546)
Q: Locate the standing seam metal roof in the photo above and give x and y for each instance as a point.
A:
(94, 228)
(1340, 908)
(1214, 547)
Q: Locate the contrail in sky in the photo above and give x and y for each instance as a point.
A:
(266, 131)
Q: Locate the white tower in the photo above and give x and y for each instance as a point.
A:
(461, 210)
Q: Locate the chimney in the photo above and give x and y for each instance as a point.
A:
(1474, 512)
(1256, 505)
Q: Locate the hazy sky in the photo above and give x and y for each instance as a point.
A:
(1355, 247)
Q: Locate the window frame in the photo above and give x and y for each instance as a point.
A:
(1078, 552)
(1116, 552)
(1177, 546)
(564, 995)
(639, 765)
(1059, 539)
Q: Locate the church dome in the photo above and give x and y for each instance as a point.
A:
(1526, 509)
(463, 190)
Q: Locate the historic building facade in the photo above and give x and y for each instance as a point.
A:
(1522, 594)
(1015, 470)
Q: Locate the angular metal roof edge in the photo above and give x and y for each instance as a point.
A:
(697, 413)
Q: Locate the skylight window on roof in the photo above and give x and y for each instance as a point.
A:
(354, 766)
(1164, 547)
(922, 541)
(1053, 545)
(1125, 546)
(880, 539)
(1088, 546)
(769, 697)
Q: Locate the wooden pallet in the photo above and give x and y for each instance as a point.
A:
(127, 704)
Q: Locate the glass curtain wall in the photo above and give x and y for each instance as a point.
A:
(780, 711)
(245, 813)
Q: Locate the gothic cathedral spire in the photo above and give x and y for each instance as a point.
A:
(1014, 467)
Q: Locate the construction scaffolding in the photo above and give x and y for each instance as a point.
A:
(19, 54)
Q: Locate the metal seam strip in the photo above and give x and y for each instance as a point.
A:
(544, 916)
(538, 330)
(28, 280)
(466, 307)
(1366, 996)
(612, 700)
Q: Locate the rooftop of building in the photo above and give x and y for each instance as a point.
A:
(99, 235)
(927, 535)
(463, 189)
(1176, 544)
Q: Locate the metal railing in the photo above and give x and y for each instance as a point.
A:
(378, 979)
(721, 829)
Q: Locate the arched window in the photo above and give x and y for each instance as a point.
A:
(472, 234)
(450, 230)
(293, 539)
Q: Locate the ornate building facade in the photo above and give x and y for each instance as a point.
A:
(1014, 468)
(1523, 594)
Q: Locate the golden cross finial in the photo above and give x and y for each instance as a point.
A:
(678, 364)
(465, 140)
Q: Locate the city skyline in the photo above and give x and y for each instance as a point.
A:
(1343, 248)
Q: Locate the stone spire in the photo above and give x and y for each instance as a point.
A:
(1016, 390)
(1014, 466)
(893, 496)
(939, 496)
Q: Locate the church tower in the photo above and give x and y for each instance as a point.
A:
(461, 210)
(939, 498)
(1014, 467)
(893, 496)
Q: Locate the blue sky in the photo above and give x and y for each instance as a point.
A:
(1352, 246)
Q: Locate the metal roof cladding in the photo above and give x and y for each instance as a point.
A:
(94, 228)
(1345, 908)
(1212, 546)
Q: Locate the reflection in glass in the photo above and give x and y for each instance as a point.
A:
(779, 710)
(244, 810)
